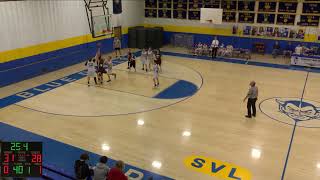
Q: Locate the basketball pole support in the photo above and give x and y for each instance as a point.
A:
(90, 5)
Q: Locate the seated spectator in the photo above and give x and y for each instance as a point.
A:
(307, 51)
(276, 49)
(229, 50)
(116, 173)
(199, 49)
(298, 50)
(101, 170)
(205, 49)
(81, 168)
(288, 50)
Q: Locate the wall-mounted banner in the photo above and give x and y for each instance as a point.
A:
(151, 3)
(289, 7)
(180, 4)
(229, 17)
(311, 8)
(211, 3)
(286, 19)
(267, 6)
(166, 4)
(246, 5)
(229, 5)
(217, 168)
(246, 17)
(117, 7)
(266, 18)
(309, 20)
(150, 13)
(179, 14)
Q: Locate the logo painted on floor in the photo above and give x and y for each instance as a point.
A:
(290, 110)
(217, 168)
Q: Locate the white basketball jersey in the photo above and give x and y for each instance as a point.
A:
(90, 66)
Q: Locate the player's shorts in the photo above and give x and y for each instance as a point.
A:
(117, 49)
(133, 64)
(91, 74)
(158, 62)
(102, 71)
(143, 60)
(151, 61)
(155, 75)
(147, 61)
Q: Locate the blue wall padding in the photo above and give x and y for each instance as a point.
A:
(29, 67)
(240, 42)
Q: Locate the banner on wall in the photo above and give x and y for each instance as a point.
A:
(117, 7)
(309, 61)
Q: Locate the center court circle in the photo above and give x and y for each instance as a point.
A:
(306, 113)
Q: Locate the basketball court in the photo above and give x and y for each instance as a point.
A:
(112, 115)
(192, 127)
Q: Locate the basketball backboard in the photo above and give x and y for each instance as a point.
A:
(101, 25)
(99, 17)
(211, 15)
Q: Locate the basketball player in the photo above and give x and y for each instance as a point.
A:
(100, 69)
(156, 75)
(132, 62)
(144, 54)
(100, 72)
(129, 55)
(108, 66)
(158, 61)
(91, 70)
(150, 58)
(117, 46)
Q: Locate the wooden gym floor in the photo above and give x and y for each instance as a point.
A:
(87, 117)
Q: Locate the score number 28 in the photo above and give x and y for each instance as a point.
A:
(36, 158)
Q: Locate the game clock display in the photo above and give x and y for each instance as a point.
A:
(21, 159)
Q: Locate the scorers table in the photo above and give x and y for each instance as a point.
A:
(305, 60)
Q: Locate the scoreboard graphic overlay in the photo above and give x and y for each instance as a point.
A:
(21, 159)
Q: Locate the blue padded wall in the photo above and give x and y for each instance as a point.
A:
(29, 67)
(237, 42)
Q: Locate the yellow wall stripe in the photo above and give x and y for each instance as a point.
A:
(19, 53)
(310, 38)
(45, 47)
(194, 29)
